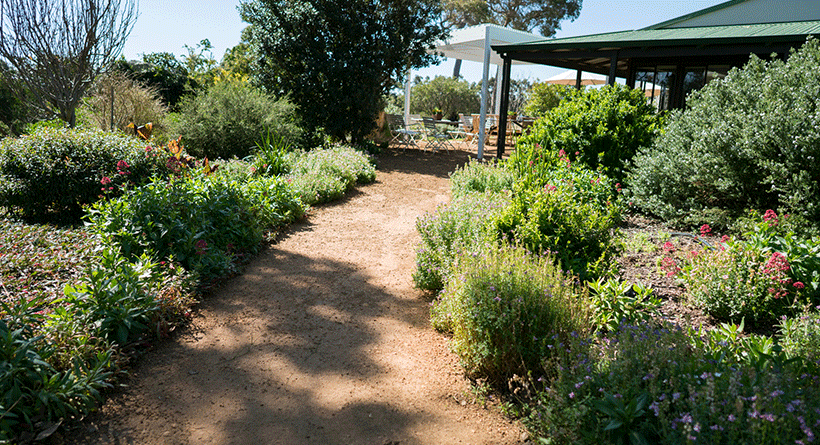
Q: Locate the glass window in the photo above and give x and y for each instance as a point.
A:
(717, 72)
(694, 79)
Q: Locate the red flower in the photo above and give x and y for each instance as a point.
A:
(105, 180)
(668, 247)
(770, 217)
(798, 285)
(201, 247)
(705, 230)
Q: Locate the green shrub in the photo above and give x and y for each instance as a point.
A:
(746, 141)
(544, 97)
(229, 119)
(481, 177)
(602, 128)
(451, 96)
(800, 335)
(465, 226)
(52, 174)
(564, 208)
(323, 175)
(270, 158)
(508, 311)
(616, 302)
(766, 274)
(202, 222)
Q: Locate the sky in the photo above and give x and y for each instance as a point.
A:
(167, 26)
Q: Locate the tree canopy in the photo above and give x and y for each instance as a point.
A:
(336, 60)
(545, 16)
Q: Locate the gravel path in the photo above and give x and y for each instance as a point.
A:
(322, 340)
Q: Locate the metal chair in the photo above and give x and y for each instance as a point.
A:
(403, 136)
(436, 138)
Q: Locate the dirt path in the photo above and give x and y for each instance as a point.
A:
(322, 340)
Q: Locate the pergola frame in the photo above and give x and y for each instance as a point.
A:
(622, 54)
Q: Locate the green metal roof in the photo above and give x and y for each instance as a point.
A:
(727, 34)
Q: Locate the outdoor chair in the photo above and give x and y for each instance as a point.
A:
(436, 138)
(403, 136)
(465, 130)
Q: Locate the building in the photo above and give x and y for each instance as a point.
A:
(672, 58)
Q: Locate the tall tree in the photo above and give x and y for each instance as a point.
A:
(544, 16)
(335, 59)
(56, 48)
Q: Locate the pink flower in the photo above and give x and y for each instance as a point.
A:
(668, 247)
(105, 180)
(770, 217)
(705, 230)
(777, 263)
(725, 239)
(201, 247)
(562, 153)
(798, 285)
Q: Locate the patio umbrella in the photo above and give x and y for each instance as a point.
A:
(569, 77)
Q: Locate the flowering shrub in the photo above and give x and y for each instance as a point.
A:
(508, 311)
(564, 208)
(800, 335)
(52, 173)
(325, 174)
(205, 223)
(465, 226)
(668, 385)
(761, 276)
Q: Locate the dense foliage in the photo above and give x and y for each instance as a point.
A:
(324, 175)
(451, 96)
(51, 174)
(746, 141)
(336, 60)
(544, 97)
(602, 128)
(230, 118)
(562, 207)
(465, 226)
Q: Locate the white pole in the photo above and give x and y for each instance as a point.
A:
(485, 79)
(407, 99)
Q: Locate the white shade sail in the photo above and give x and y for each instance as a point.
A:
(473, 43)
